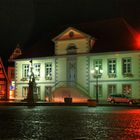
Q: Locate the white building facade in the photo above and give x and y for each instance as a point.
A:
(70, 72)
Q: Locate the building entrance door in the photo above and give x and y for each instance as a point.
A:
(71, 69)
(48, 96)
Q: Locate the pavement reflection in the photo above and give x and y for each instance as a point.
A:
(69, 123)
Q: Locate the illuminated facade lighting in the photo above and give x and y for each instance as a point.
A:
(78, 74)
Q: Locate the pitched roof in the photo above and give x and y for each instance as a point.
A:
(3, 74)
(111, 35)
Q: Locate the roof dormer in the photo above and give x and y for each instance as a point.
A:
(72, 41)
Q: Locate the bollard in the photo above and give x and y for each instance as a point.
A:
(91, 103)
(68, 100)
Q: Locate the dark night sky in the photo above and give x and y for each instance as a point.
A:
(26, 21)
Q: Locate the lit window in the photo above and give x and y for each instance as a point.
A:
(48, 93)
(112, 89)
(126, 88)
(98, 64)
(100, 91)
(112, 68)
(126, 67)
(2, 91)
(37, 70)
(24, 92)
(48, 71)
(38, 92)
(25, 70)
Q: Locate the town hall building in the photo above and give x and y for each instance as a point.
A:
(76, 72)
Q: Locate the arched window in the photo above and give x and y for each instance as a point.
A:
(71, 48)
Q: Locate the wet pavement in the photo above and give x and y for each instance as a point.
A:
(69, 123)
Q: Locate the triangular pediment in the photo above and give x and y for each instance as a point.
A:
(71, 33)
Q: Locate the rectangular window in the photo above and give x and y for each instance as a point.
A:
(100, 92)
(126, 67)
(38, 93)
(25, 70)
(98, 64)
(37, 70)
(48, 71)
(24, 92)
(112, 68)
(2, 90)
(112, 89)
(48, 96)
(126, 89)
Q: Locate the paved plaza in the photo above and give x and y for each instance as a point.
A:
(69, 123)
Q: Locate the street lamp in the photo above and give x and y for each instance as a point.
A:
(96, 74)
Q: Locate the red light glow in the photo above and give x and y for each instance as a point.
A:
(11, 94)
(64, 92)
(74, 100)
(137, 39)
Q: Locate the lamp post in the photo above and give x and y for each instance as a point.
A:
(96, 74)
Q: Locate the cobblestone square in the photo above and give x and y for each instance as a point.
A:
(69, 123)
